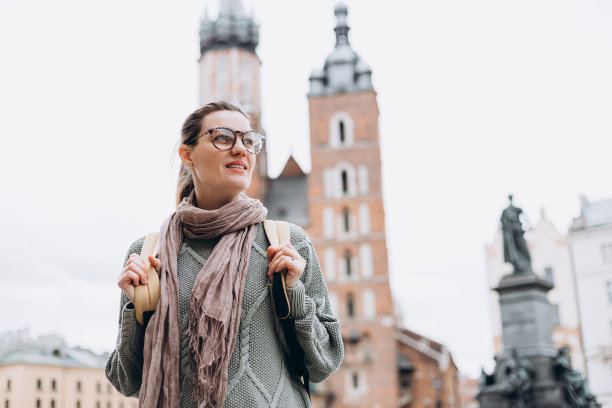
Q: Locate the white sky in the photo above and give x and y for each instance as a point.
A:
(478, 98)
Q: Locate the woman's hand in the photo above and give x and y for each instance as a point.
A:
(286, 257)
(134, 273)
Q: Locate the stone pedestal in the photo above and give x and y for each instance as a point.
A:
(529, 353)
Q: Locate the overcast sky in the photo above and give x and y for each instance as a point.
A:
(478, 98)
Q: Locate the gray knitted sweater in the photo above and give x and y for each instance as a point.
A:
(259, 374)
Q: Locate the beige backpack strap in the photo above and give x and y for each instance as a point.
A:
(278, 233)
(147, 296)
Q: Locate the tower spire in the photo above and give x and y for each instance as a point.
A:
(342, 27)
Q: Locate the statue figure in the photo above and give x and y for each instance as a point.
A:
(518, 374)
(515, 246)
(576, 389)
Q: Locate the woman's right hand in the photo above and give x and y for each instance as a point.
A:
(134, 273)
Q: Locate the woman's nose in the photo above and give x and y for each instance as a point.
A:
(239, 146)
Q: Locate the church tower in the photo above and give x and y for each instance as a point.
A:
(229, 70)
(348, 224)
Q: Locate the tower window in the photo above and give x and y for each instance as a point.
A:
(38, 403)
(52, 403)
(99, 387)
(8, 385)
(344, 176)
(347, 260)
(78, 387)
(341, 132)
(39, 384)
(355, 378)
(345, 219)
(606, 251)
(6, 404)
(609, 285)
(78, 404)
(53, 385)
(350, 305)
(548, 272)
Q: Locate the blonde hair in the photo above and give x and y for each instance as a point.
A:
(189, 136)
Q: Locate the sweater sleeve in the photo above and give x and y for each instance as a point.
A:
(124, 365)
(317, 329)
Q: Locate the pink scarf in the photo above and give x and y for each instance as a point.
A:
(214, 306)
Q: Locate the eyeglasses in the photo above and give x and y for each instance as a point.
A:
(225, 139)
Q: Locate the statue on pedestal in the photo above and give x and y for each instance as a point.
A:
(576, 388)
(515, 246)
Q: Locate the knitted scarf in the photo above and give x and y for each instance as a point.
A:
(214, 306)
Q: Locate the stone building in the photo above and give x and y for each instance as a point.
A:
(45, 373)
(340, 204)
(550, 253)
(590, 239)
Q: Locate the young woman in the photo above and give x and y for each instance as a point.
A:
(214, 339)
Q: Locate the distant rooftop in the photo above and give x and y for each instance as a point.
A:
(51, 350)
(593, 214)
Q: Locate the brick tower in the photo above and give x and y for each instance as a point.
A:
(229, 70)
(348, 225)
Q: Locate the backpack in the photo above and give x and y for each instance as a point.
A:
(146, 296)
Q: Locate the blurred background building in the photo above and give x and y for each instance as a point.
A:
(45, 373)
(590, 239)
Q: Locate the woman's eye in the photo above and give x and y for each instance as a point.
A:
(224, 139)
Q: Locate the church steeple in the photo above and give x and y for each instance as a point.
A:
(231, 29)
(229, 70)
(344, 70)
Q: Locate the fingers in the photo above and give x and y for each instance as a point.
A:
(156, 263)
(284, 257)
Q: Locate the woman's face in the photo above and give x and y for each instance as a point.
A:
(223, 174)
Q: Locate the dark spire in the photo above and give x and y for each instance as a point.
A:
(231, 29)
(343, 71)
(342, 27)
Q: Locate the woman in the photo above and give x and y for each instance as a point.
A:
(214, 339)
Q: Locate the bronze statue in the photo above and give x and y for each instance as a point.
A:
(515, 246)
(576, 388)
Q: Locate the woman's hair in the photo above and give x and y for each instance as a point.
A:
(192, 127)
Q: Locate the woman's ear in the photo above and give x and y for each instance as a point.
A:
(184, 152)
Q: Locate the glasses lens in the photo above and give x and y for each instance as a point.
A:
(253, 142)
(223, 138)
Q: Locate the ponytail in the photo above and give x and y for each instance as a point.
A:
(185, 184)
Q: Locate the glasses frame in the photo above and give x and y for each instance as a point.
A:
(236, 134)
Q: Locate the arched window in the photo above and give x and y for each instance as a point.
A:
(328, 222)
(350, 306)
(369, 304)
(222, 76)
(344, 180)
(341, 130)
(347, 262)
(330, 264)
(366, 265)
(364, 219)
(346, 220)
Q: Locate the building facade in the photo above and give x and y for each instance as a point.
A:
(590, 238)
(550, 256)
(347, 227)
(45, 373)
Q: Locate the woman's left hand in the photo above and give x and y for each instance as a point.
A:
(286, 257)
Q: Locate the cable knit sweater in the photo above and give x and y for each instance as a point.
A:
(260, 374)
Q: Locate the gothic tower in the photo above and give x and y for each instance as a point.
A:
(348, 224)
(229, 70)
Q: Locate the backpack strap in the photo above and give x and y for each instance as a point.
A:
(147, 296)
(278, 233)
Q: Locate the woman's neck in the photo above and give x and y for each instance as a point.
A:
(213, 201)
